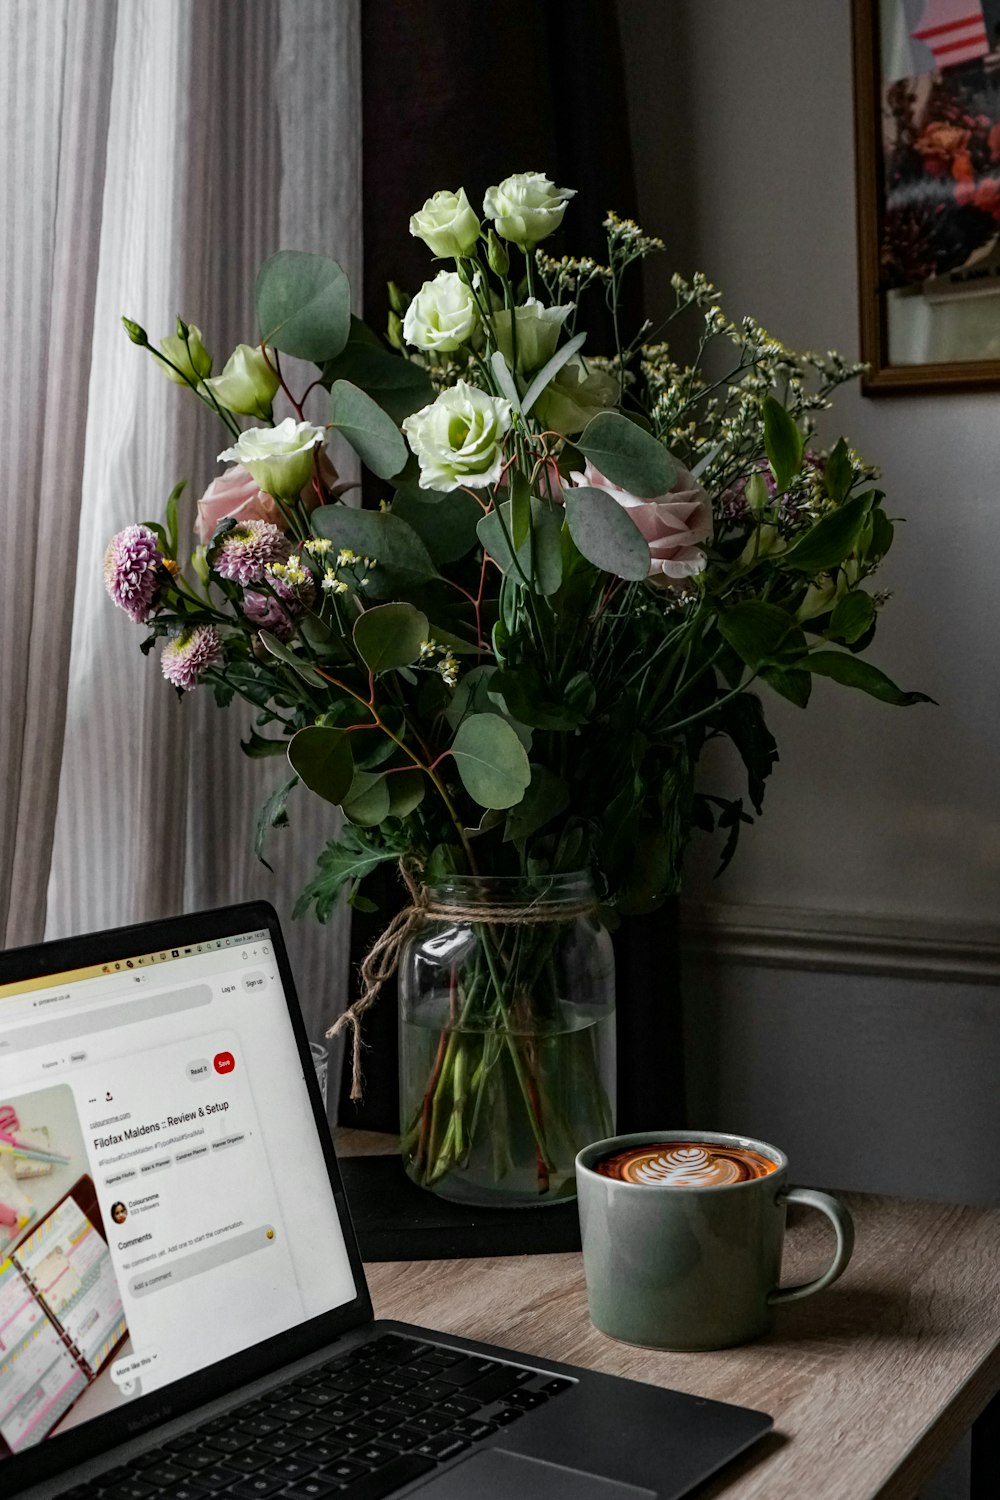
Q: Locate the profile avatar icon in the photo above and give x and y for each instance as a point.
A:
(119, 1212)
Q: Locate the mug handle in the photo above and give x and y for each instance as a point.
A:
(843, 1226)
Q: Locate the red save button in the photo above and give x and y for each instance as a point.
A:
(224, 1062)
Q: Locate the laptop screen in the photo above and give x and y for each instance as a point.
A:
(164, 1198)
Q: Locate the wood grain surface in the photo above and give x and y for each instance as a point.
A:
(870, 1383)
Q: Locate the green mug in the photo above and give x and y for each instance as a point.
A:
(692, 1267)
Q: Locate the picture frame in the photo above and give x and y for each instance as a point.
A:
(927, 151)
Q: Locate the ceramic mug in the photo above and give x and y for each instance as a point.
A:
(692, 1267)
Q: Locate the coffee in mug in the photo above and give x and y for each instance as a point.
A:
(682, 1237)
(685, 1164)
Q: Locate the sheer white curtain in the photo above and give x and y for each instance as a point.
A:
(155, 151)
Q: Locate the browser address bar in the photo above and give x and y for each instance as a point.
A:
(86, 1023)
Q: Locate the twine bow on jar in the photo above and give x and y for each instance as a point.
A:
(382, 959)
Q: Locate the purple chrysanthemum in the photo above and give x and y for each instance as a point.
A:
(186, 656)
(132, 571)
(245, 551)
(278, 611)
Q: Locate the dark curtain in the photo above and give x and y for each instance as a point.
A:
(461, 93)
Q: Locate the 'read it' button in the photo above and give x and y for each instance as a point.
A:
(224, 1062)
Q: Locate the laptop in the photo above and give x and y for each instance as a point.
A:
(183, 1310)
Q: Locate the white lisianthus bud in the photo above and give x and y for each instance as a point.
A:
(570, 400)
(527, 207)
(447, 223)
(458, 439)
(191, 358)
(247, 385)
(442, 316)
(279, 458)
(538, 331)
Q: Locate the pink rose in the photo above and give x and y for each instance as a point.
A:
(235, 493)
(673, 524)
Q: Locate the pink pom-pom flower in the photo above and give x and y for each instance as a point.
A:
(244, 553)
(132, 575)
(185, 656)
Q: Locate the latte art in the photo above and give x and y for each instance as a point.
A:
(697, 1164)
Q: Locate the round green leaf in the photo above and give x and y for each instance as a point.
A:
(406, 791)
(367, 801)
(627, 455)
(303, 305)
(401, 559)
(322, 759)
(491, 761)
(605, 535)
(445, 523)
(389, 636)
(372, 434)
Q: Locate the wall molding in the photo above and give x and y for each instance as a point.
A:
(842, 942)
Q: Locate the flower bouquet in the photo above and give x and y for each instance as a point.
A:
(582, 568)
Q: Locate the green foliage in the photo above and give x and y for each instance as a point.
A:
(491, 761)
(343, 865)
(372, 434)
(446, 524)
(783, 443)
(321, 758)
(537, 563)
(832, 540)
(627, 455)
(401, 559)
(390, 636)
(852, 672)
(604, 533)
(303, 305)
(398, 385)
(274, 814)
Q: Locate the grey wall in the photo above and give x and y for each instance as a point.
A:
(879, 821)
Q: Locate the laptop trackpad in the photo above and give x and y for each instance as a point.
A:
(495, 1475)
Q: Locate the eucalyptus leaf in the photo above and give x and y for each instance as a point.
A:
(849, 670)
(389, 636)
(303, 305)
(783, 443)
(401, 559)
(321, 757)
(539, 558)
(627, 455)
(367, 801)
(445, 523)
(406, 792)
(400, 386)
(491, 761)
(605, 535)
(372, 434)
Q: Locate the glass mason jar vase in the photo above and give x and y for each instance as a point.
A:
(507, 1038)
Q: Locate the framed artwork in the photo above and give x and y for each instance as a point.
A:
(927, 132)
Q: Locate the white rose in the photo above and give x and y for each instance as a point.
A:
(443, 314)
(247, 385)
(279, 458)
(527, 207)
(538, 330)
(447, 223)
(458, 439)
(570, 400)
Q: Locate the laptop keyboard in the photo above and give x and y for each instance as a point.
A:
(361, 1426)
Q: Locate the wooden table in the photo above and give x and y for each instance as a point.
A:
(870, 1383)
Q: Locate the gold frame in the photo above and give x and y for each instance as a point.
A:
(883, 377)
